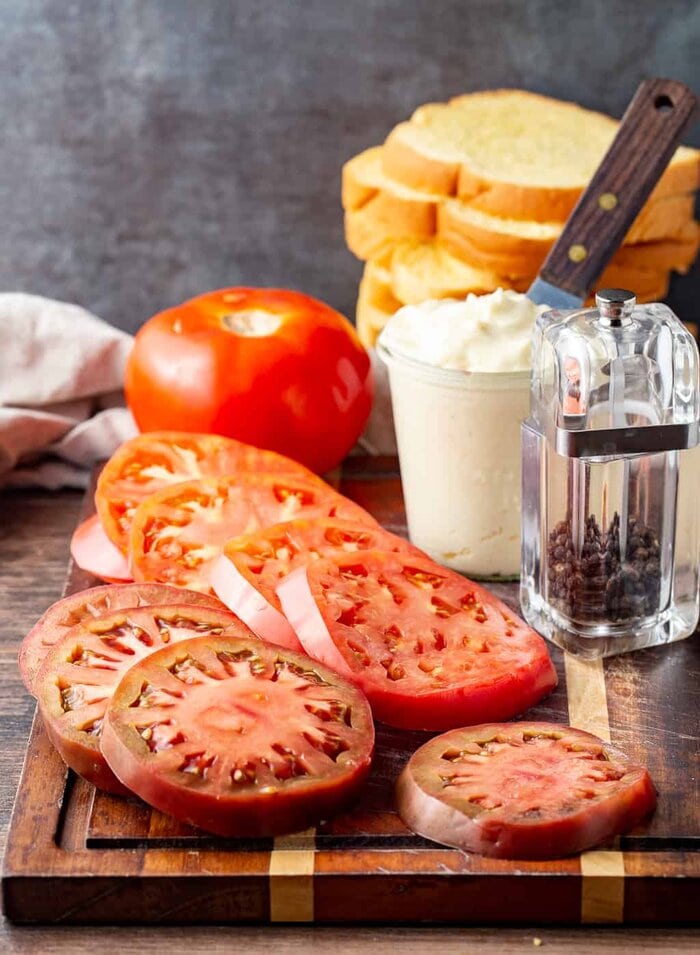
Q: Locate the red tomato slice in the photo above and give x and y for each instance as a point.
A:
(178, 533)
(522, 790)
(239, 737)
(81, 672)
(247, 574)
(94, 553)
(92, 603)
(431, 649)
(157, 459)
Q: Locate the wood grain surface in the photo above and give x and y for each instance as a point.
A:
(34, 531)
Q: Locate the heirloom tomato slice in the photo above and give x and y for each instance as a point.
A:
(90, 604)
(239, 737)
(80, 673)
(157, 459)
(94, 553)
(178, 533)
(522, 790)
(248, 572)
(431, 649)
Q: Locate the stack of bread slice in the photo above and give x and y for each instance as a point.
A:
(470, 195)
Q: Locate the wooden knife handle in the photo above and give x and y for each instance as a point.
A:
(646, 140)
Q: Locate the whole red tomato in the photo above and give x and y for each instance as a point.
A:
(271, 367)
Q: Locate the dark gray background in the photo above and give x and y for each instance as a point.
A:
(153, 149)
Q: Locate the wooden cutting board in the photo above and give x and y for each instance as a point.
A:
(75, 855)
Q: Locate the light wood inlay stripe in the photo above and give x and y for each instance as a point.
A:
(603, 871)
(585, 690)
(603, 886)
(292, 878)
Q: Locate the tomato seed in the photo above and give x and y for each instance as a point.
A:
(441, 608)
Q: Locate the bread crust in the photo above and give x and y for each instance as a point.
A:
(446, 173)
(375, 304)
(671, 255)
(420, 171)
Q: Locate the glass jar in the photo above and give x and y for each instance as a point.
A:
(458, 436)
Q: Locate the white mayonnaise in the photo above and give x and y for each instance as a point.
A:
(482, 333)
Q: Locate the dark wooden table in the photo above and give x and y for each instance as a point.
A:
(34, 531)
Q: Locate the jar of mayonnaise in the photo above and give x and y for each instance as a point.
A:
(459, 373)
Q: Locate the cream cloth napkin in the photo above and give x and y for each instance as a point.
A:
(379, 437)
(61, 404)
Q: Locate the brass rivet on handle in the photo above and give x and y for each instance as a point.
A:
(577, 253)
(607, 201)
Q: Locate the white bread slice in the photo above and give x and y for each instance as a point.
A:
(375, 303)
(380, 212)
(363, 177)
(673, 255)
(419, 271)
(662, 219)
(676, 254)
(426, 270)
(514, 154)
(374, 227)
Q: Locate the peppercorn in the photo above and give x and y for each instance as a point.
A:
(599, 585)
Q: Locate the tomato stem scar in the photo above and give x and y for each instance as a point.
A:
(252, 323)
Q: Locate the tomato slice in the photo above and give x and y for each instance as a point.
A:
(89, 604)
(178, 533)
(157, 459)
(248, 572)
(80, 673)
(431, 649)
(239, 737)
(94, 553)
(522, 790)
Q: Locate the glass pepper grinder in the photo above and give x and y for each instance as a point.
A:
(611, 478)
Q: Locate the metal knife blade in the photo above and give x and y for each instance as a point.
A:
(542, 292)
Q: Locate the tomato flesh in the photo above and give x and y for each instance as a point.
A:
(251, 567)
(157, 459)
(81, 672)
(522, 790)
(178, 533)
(89, 604)
(431, 649)
(239, 737)
(94, 553)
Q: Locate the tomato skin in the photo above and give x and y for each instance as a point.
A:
(357, 615)
(262, 617)
(89, 604)
(510, 826)
(304, 390)
(252, 808)
(251, 566)
(94, 553)
(81, 671)
(150, 462)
